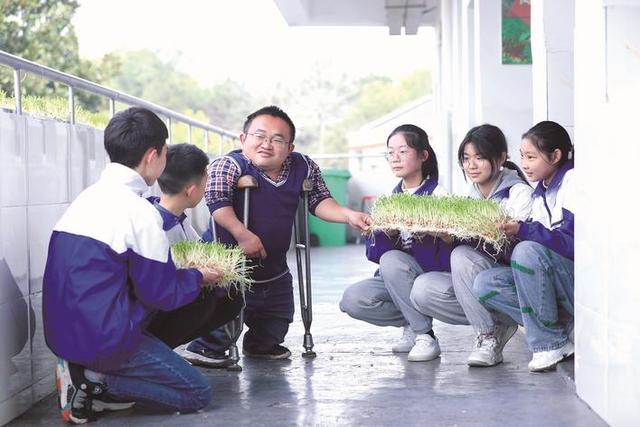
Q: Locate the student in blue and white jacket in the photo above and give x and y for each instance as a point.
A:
(542, 263)
(383, 300)
(108, 272)
(183, 184)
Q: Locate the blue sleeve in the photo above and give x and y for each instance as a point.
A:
(378, 243)
(559, 240)
(160, 285)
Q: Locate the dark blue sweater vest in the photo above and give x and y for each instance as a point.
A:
(272, 210)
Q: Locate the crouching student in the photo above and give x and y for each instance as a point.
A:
(384, 299)
(537, 290)
(267, 155)
(182, 184)
(449, 297)
(108, 271)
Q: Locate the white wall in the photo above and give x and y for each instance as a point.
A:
(473, 85)
(607, 89)
(552, 29)
(44, 164)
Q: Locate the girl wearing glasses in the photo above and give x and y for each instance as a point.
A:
(384, 299)
(448, 297)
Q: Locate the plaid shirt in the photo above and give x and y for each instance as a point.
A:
(223, 180)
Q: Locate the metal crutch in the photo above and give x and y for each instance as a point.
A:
(234, 328)
(305, 285)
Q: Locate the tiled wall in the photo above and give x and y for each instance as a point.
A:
(44, 164)
(607, 88)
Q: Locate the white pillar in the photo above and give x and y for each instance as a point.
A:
(552, 27)
(607, 89)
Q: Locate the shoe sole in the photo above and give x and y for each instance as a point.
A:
(475, 363)
(208, 364)
(423, 358)
(267, 356)
(100, 406)
(552, 366)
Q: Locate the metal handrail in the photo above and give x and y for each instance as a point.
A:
(72, 82)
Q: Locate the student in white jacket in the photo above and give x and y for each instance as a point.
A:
(449, 297)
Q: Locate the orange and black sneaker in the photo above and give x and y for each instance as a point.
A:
(73, 402)
(80, 399)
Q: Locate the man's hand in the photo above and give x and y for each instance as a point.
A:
(358, 220)
(510, 228)
(209, 277)
(251, 245)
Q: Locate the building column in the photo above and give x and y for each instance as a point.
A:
(552, 28)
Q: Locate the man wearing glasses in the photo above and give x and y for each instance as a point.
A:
(267, 154)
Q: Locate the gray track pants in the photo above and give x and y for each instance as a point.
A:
(385, 300)
(449, 297)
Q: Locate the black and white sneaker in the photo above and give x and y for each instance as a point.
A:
(206, 358)
(78, 398)
(74, 403)
(276, 352)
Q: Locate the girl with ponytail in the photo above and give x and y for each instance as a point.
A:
(448, 296)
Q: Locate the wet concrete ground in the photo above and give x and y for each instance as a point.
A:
(357, 380)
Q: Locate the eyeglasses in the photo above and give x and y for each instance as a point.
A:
(402, 154)
(262, 138)
(466, 161)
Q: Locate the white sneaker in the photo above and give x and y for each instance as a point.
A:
(488, 350)
(545, 360)
(426, 348)
(406, 342)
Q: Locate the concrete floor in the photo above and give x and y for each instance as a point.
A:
(356, 380)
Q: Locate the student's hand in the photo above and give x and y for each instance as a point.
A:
(251, 245)
(209, 277)
(359, 220)
(510, 228)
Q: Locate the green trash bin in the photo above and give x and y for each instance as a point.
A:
(331, 233)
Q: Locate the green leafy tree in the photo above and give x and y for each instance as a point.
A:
(41, 31)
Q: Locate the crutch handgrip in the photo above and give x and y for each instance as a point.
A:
(307, 185)
(247, 181)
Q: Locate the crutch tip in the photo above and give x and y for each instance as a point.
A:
(234, 368)
(309, 354)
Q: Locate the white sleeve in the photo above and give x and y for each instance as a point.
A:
(519, 204)
(439, 191)
(568, 195)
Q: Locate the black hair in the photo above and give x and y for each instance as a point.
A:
(131, 132)
(418, 139)
(273, 111)
(186, 164)
(548, 136)
(490, 142)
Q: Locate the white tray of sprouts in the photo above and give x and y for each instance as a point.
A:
(229, 261)
(462, 217)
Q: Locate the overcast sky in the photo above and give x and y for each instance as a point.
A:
(245, 40)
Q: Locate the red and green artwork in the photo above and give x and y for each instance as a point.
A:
(516, 31)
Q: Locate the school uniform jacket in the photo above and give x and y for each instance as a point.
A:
(178, 228)
(108, 270)
(552, 222)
